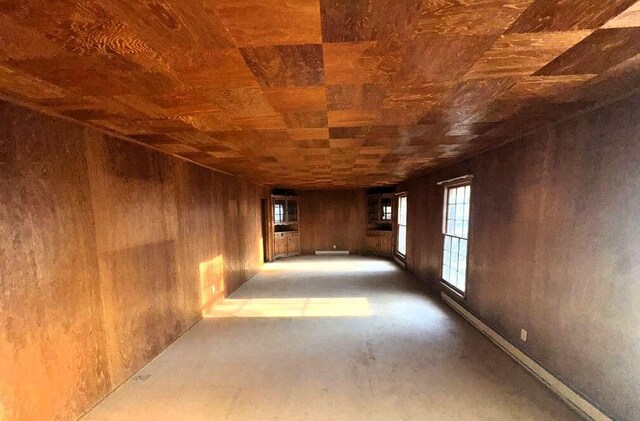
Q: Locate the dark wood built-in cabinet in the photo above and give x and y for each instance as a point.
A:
(286, 237)
(379, 235)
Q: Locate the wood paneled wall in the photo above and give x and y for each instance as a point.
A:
(554, 248)
(329, 217)
(108, 252)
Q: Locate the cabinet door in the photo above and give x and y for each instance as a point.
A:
(280, 246)
(293, 245)
(292, 210)
(371, 244)
(385, 245)
(372, 209)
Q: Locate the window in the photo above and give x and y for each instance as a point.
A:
(456, 232)
(402, 225)
(278, 212)
(386, 213)
(386, 209)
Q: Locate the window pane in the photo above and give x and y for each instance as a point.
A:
(447, 242)
(467, 194)
(458, 228)
(452, 196)
(453, 277)
(460, 211)
(460, 195)
(453, 263)
(462, 263)
(463, 247)
(451, 212)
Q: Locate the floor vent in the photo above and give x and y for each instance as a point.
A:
(332, 252)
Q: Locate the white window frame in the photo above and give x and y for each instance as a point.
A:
(401, 222)
(455, 235)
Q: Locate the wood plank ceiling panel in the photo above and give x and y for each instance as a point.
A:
(319, 93)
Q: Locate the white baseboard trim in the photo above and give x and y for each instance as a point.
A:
(573, 399)
(332, 252)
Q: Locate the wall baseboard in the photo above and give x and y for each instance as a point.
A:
(573, 399)
(332, 252)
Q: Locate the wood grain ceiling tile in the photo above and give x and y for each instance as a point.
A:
(308, 98)
(96, 75)
(600, 51)
(368, 20)
(430, 59)
(523, 54)
(363, 97)
(469, 17)
(628, 19)
(305, 119)
(313, 144)
(169, 24)
(286, 65)
(567, 15)
(420, 96)
(348, 132)
(352, 118)
(22, 42)
(210, 69)
(308, 133)
(401, 114)
(253, 23)
(476, 91)
(346, 143)
(544, 86)
(206, 121)
(360, 62)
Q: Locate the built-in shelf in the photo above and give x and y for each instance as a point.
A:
(286, 237)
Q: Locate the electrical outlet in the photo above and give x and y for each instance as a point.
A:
(523, 335)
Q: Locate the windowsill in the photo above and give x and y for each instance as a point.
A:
(400, 261)
(454, 293)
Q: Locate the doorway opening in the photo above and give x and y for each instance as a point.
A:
(263, 218)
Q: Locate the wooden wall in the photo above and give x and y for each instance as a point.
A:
(329, 217)
(108, 252)
(554, 248)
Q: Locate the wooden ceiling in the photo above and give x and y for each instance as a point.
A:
(318, 94)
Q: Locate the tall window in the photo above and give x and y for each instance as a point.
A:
(402, 225)
(278, 212)
(456, 233)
